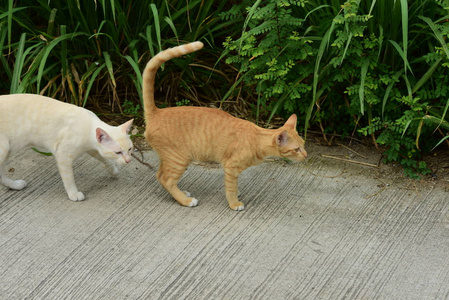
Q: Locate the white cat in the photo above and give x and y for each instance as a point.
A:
(65, 130)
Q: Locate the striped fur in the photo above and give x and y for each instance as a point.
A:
(181, 135)
(65, 130)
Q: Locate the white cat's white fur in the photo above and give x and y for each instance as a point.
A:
(65, 130)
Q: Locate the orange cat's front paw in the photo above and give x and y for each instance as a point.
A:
(193, 202)
(189, 202)
(237, 206)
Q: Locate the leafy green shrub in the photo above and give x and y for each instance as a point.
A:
(273, 54)
(370, 67)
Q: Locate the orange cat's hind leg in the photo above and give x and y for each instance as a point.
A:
(168, 175)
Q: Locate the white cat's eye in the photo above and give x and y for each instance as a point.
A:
(118, 152)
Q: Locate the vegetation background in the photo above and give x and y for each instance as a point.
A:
(372, 68)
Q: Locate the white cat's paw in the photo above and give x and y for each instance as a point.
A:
(18, 184)
(193, 202)
(187, 193)
(77, 197)
(113, 170)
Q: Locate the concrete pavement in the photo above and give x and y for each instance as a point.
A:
(324, 229)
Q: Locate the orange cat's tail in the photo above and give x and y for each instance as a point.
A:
(149, 73)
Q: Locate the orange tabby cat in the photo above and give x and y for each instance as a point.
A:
(181, 135)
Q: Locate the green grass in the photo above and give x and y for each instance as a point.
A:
(83, 52)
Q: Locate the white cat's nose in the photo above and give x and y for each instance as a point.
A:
(127, 159)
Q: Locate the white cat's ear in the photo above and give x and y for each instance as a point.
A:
(126, 127)
(102, 136)
(291, 122)
(282, 138)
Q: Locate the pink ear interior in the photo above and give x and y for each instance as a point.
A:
(102, 135)
(282, 138)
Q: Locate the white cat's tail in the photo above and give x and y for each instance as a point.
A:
(149, 73)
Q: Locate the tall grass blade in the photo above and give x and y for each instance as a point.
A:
(64, 60)
(248, 18)
(110, 68)
(381, 38)
(9, 12)
(408, 85)
(418, 133)
(5, 65)
(48, 50)
(324, 43)
(404, 14)
(150, 40)
(91, 82)
(426, 76)
(51, 22)
(346, 48)
(402, 54)
(438, 35)
(18, 65)
(442, 140)
(388, 91)
(436, 113)
(172, 26)
(364, 71)
(259, 92)
(113, 9)
(231, 89)
(138, 81)
(157, 25)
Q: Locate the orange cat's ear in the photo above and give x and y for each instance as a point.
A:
(126, 127)
(282, 138)
(102, 136)
(291, 122)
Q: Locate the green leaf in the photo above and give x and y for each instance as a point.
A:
(439, 36)
(157, 25)
(48, 50)
(91, 82)
(108, 61)
(442, 140)
(43, 153)
(403, 54)
(364, 71)
(404, 15)
(20, 58)
(139, 80)
(426, 76)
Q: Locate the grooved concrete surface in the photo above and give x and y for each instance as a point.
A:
(319, 230)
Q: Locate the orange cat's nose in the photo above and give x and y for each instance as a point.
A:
(304, 153)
